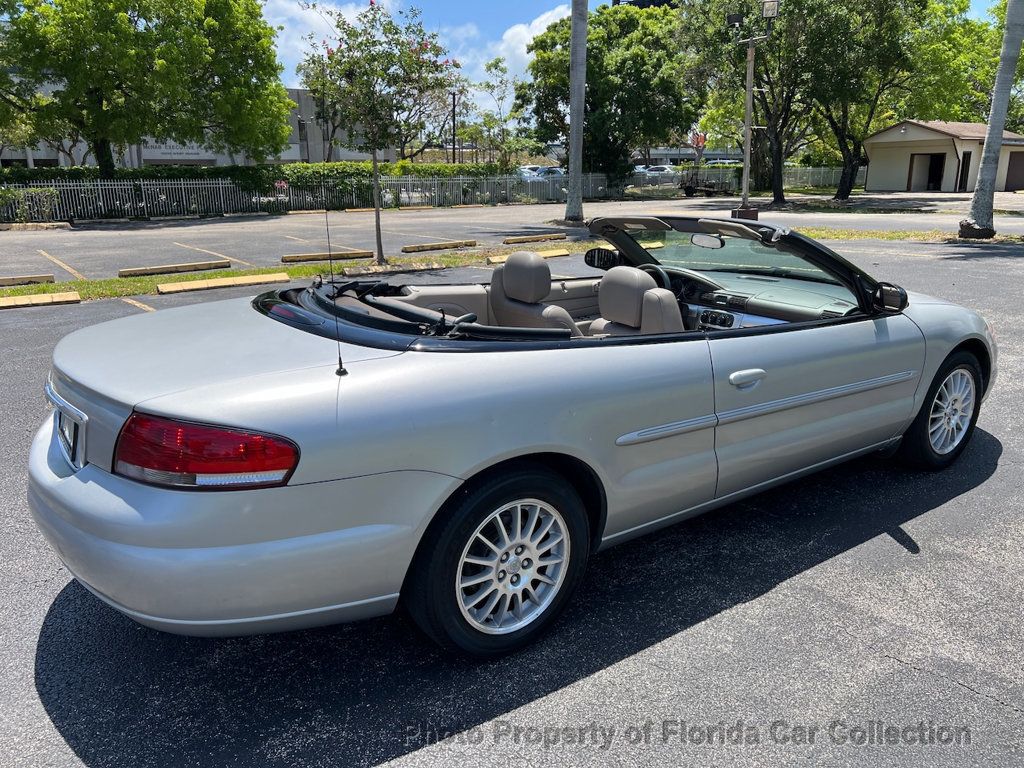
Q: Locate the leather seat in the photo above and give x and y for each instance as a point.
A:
(632, 303)
(517, 288)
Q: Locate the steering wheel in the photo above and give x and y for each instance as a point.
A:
(659, 274)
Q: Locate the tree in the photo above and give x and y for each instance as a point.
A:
(638, 82)
(781, 75)
(865, 62)
(121, 70)
(498, 129)
(378, 65)
(979, 223)
(577, 98)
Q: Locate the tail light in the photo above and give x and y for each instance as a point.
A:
(180, 454)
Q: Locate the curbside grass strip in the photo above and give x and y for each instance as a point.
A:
(533, 238)
(222, 282)
(294, 258)
(34, 226)
(39, 300)
(442, 246)
(25, 280)
(167, 269)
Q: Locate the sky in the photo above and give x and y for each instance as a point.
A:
(475, 32)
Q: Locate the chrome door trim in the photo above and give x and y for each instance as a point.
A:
(809, 398)
(667, 430)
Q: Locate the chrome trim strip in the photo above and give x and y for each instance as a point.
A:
(667, 430)
(809, 398)
(77, 416)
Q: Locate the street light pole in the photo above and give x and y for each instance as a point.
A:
(769, 11)
(748, 133)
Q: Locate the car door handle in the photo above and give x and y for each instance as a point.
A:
(748, 378)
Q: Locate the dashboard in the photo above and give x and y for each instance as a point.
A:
(729, 301)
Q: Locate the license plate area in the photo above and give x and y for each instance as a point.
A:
(69, 425)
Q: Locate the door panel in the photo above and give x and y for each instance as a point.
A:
(804, 396)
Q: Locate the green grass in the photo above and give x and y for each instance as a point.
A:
(919, 236)
(115, 287)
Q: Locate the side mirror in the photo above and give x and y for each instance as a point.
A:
(890, 298)
(602, 258)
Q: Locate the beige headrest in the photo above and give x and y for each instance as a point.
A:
(621, 295)
(526, 277)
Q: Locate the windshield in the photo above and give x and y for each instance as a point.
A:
(714, 253)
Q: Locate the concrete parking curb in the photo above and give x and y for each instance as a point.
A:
(167, 269)
(550, 253)
(25, 280)
(222, 282)
(442, 246)
(292, 258)
(40, 300)
(534, 238)
(414, 266)
(34, 226)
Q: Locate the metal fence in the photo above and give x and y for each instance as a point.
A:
(128, 199)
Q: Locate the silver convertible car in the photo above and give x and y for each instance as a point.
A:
(334, 452)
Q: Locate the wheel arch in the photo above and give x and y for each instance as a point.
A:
(977, 348)
(580, 475)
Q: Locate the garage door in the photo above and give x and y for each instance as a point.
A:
(1015, 172)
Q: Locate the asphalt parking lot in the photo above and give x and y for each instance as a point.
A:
(98, 250)
(864, 594)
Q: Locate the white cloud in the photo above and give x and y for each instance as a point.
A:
(464, 40)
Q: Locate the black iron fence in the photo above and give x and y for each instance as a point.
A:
(158, 198)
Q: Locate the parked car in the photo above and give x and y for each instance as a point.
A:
(639, 168)
(524, 173)
(655, 169)
(324, 454)
(550, 171)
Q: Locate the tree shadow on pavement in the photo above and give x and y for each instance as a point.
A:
(121, 694)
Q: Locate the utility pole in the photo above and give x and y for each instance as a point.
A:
(769, 10)
(453, 127)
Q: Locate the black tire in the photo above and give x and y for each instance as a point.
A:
(916, 449)
(429, 594)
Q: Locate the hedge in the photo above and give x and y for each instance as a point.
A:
(255, 176)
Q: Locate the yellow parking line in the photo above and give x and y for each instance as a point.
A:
(214, 253)
(138, 304)
(67, 268)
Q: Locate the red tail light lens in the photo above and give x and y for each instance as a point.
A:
(179, 454)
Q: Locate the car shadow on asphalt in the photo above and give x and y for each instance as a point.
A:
(360, 694)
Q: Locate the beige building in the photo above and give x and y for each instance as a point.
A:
(922, 156)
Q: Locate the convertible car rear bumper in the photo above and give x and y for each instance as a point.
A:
(219, 563)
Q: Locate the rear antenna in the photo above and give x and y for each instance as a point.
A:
(327, 218)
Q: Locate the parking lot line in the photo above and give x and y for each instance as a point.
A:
(67, 268)
(139, 304)
(300, 239)
(214, 253)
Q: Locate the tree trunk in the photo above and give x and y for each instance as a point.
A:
(979, 223)
(848, 177)
(104, 152)
(577, 95)
(376, 209)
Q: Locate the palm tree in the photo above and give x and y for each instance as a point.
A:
(577, 94)
(979, 223)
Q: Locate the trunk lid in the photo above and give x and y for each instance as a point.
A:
(105, 370)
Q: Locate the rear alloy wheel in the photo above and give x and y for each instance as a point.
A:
(502, 563)
(946, 421)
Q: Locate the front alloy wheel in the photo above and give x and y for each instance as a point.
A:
(500, 562)
(945, 423)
